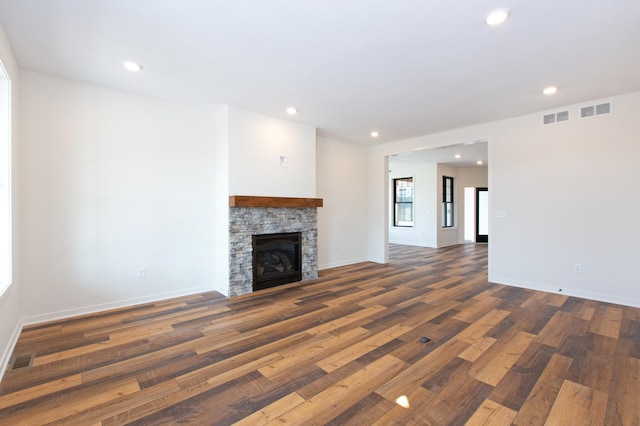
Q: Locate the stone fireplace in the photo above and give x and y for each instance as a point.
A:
(252, 216)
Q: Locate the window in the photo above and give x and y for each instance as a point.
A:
(5, 182)
(447, 202)
(403, 201)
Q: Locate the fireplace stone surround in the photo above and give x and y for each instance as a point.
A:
(250, 216)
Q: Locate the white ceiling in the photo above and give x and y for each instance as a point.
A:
(405, 68)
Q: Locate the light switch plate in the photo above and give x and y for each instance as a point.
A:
(500, 214)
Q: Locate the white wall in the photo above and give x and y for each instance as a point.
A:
(424, 231)
(567, 190)
(377, 202)
(342, 184)
(248, 147)
(112, 182)
(256, 142)
(570, 194)
(428, 231)
(10, 324)
(477, 177)
(222, 200)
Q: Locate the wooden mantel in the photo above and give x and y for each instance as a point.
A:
(288, 202)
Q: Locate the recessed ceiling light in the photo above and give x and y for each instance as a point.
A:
(479, 163)
(292, 111)
(132, 66)
(375, 134)
(551, 90)
(458, 155)
(496, 17)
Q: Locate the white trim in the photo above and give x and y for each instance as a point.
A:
(452, 243)
(5, 291)
(4, 285)
(426, 244)
(54, 316)
(573, 292)
(8, 351)
(341, 263)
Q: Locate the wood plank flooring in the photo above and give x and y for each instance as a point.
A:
(342, 349)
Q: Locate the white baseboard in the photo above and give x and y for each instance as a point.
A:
(8, 350)
(428, 244)
(54, 316)
(601, 297)
(452, 243)
(341, 263)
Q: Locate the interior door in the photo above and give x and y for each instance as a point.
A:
(482, 215)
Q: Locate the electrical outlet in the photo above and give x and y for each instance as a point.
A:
(142, 272)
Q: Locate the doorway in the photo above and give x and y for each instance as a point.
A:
(466, 163)
(482, 215)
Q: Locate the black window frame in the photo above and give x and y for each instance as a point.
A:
(397, 203)
(448, 202)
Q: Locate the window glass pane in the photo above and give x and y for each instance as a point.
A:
(447, 191)
(447, 201)
(404, 190)
(403, 212)
(448, 215)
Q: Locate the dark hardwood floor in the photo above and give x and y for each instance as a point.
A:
(343, 349)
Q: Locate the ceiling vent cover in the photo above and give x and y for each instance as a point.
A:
(556, 117)
(562, 116)
(549, 119)
(593, 110)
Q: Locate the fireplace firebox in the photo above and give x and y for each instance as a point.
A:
(276, 259)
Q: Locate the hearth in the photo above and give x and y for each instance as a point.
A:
(276, 259)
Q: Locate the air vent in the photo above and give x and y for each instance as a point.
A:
(562, 116)
(593, 110)
(603, 108)
(549, 119)
(555, 117)
(22, 361)
(588, 111)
